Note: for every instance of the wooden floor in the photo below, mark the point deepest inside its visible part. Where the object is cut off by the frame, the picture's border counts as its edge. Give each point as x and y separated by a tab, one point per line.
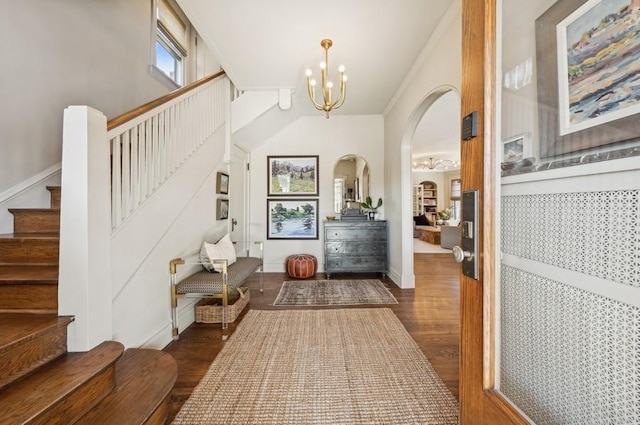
430	313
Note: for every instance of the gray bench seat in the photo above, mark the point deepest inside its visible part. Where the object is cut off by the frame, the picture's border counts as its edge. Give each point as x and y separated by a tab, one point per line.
205	284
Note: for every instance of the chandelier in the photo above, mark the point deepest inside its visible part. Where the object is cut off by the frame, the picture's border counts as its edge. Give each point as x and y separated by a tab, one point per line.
327	104
435	164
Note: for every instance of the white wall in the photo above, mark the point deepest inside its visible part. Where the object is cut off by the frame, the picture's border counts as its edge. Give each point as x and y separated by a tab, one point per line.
68	52
330	139
439	65
173	222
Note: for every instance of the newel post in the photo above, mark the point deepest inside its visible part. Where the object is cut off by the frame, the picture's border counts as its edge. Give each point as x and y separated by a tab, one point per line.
84	289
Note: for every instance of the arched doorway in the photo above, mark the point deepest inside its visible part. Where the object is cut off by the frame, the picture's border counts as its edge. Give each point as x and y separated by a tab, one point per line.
432	129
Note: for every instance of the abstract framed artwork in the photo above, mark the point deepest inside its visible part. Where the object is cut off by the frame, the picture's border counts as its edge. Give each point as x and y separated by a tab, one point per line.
588	59
516	148
222	209
292	219
292	175
222	183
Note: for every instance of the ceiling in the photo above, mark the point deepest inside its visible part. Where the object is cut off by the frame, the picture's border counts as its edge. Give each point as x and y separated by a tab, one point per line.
269	44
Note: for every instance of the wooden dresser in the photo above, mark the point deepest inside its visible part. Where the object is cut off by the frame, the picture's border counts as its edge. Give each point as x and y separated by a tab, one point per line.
355	246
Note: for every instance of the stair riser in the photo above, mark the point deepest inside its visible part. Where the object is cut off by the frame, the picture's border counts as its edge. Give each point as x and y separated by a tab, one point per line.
25	251
143	396
160	415
55	196
29	297
27	357
32	222
77	403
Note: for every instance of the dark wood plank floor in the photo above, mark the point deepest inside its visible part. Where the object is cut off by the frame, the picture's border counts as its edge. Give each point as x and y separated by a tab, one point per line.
430	313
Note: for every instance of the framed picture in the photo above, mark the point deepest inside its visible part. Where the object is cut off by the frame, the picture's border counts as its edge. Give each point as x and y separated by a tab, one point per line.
456	189
292	219
292	175
587	54
222	183
517	148
222	209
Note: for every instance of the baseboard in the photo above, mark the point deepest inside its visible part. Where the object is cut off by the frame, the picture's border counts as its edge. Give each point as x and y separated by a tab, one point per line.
395	277
164	336
160	340
29	183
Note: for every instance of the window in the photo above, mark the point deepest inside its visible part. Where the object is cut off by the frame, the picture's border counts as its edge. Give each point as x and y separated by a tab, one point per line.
338	194
171	40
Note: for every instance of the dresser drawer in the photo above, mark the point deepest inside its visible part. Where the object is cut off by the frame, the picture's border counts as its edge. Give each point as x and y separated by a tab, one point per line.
355	263
356	248
342	234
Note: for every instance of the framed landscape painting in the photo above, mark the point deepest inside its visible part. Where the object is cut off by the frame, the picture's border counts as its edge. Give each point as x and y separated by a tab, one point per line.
588	60
292	175
292	219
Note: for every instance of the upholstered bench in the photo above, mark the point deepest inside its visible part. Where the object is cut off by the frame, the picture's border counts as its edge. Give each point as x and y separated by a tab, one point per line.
207	284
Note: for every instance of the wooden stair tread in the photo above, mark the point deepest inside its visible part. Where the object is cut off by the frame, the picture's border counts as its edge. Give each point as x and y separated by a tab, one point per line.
16	328
28	274
144	380
52	211
28	341
29	236
64	389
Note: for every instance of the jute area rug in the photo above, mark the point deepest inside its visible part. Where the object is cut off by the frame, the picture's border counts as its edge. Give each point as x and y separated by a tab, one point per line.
339	366
333	292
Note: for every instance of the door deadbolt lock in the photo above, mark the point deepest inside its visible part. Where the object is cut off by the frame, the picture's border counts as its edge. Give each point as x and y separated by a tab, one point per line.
466	252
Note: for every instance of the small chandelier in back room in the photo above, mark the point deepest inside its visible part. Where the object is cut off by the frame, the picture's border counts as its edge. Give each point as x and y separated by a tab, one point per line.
327	86
435	164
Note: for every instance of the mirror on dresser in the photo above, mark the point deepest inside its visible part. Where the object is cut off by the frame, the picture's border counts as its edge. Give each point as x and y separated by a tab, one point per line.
350	182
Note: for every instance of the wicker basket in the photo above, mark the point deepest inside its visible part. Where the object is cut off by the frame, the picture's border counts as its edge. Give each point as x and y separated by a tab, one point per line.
210	310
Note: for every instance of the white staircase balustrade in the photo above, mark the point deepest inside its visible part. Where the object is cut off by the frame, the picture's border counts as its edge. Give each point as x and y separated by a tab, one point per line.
109	173
148	149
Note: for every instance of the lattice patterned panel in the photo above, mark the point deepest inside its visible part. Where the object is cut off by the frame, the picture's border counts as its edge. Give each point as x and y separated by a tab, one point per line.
568	356
596	233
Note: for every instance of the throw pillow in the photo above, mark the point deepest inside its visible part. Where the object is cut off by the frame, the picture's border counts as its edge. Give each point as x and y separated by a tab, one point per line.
421	220
221	250
204	259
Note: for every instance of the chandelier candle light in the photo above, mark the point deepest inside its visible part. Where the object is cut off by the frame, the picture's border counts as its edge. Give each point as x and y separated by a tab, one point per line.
433	164
327	85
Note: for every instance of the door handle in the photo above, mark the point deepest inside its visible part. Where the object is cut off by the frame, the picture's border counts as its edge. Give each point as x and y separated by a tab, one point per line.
233	224
459	255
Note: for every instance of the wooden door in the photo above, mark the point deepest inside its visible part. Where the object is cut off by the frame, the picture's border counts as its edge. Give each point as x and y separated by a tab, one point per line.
479	402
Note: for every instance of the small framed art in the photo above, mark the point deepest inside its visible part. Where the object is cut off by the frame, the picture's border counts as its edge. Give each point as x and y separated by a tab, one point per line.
517	148
222	183
222	209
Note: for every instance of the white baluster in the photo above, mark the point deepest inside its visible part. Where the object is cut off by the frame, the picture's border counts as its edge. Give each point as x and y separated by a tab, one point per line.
116	189
126	174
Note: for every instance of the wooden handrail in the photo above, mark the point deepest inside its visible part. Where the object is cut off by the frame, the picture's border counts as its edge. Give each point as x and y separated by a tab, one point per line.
128	116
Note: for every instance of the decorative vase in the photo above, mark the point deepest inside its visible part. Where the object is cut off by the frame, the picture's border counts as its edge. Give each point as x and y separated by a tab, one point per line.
372	215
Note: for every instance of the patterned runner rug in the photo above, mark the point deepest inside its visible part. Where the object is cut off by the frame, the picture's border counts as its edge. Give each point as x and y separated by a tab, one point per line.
337	366
333	292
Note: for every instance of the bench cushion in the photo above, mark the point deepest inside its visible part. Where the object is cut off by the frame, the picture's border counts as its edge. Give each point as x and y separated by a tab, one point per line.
205	282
